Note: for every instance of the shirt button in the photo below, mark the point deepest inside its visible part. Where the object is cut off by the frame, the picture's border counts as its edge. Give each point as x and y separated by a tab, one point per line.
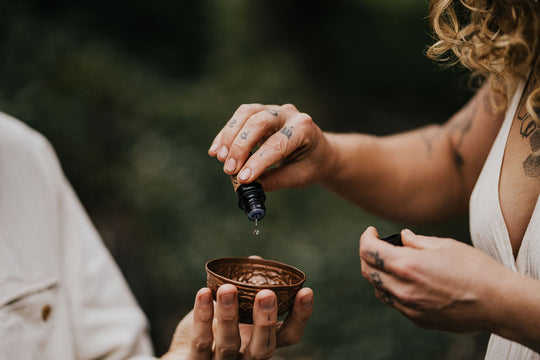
46	312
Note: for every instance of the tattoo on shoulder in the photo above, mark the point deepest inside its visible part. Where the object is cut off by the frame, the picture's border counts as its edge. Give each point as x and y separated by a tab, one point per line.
287	131
378	261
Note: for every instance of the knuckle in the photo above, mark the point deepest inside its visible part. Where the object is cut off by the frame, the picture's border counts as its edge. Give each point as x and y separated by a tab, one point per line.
267	325
204	317
227	319
303	318
260	120
289	107
304	119
402	268
276	145
244	107
265	355
236	148
201	345
228	351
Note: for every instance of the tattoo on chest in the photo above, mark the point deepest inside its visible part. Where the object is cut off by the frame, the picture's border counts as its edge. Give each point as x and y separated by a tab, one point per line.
529	129
531	165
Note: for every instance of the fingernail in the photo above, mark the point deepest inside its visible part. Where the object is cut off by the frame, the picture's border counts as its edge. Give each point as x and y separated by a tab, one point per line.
213	147
227	299
244	174
223	152
267	304
408	232
230	165
206	299
307	300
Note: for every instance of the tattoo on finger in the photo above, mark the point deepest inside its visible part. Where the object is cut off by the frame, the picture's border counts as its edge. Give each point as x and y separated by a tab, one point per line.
378	261
232	122
287	131
387	298
244	135
376	278
273	112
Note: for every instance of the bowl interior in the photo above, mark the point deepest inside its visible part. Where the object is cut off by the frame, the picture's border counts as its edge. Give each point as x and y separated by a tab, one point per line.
255	272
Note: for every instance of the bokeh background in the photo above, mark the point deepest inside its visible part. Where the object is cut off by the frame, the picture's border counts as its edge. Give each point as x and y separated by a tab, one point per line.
131	93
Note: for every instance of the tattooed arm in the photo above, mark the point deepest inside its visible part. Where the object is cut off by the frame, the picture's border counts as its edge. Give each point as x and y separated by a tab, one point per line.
420	175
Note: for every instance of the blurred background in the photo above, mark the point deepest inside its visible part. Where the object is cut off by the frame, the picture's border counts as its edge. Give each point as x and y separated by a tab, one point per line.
131	94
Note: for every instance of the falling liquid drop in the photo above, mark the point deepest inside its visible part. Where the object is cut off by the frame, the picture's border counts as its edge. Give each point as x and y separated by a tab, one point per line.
256	230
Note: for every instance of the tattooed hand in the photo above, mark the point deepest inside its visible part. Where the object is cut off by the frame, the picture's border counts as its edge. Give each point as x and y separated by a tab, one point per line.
437	283
287	138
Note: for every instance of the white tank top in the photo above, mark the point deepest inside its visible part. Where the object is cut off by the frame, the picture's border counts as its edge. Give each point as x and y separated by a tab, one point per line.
489	233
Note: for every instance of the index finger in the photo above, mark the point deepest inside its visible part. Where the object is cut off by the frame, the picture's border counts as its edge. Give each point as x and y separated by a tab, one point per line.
376	252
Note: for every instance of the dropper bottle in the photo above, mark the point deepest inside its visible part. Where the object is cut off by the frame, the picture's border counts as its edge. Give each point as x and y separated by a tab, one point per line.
251	199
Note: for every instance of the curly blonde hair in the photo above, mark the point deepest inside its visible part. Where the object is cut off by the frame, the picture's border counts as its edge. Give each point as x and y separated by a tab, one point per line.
498	40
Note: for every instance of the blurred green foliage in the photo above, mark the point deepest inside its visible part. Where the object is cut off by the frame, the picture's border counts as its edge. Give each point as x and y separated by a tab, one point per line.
131	93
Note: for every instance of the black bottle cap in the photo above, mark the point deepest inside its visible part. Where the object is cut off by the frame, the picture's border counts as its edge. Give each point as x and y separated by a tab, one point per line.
251	199
394	239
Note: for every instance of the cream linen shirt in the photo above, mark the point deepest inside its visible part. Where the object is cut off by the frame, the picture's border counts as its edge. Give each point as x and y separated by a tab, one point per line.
62	296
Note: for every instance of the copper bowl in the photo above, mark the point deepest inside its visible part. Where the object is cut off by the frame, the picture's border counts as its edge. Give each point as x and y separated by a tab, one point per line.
251	276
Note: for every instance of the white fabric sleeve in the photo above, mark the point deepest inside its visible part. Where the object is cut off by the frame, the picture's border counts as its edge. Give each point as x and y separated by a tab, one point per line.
106	319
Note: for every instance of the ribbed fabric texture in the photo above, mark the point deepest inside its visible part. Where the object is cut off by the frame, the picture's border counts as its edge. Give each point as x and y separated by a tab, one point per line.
489	233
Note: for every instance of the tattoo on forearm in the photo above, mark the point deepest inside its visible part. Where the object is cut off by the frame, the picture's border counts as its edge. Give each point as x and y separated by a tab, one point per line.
378	261
287	131
273	112
376	277
244	135
232	122
387	298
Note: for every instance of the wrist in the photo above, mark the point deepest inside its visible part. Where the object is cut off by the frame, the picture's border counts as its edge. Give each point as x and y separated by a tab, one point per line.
331	158
519	310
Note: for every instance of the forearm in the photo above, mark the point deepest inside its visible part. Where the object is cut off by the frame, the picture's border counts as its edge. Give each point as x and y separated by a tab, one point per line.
409	177
518	312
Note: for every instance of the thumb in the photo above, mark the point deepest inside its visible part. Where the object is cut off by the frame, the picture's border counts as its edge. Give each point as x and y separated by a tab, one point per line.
410	239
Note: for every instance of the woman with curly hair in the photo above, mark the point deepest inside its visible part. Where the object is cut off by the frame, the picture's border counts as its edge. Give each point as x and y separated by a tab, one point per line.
485	160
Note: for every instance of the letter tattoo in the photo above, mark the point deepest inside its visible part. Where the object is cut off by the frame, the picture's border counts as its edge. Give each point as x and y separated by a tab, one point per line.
232	122
244	135
378	261
273	112
287	131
